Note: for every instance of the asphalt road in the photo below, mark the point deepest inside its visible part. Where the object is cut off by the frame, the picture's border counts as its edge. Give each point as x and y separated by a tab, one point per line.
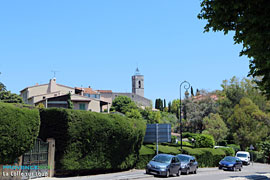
256	172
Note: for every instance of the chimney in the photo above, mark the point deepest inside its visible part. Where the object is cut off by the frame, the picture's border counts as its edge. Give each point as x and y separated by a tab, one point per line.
52	85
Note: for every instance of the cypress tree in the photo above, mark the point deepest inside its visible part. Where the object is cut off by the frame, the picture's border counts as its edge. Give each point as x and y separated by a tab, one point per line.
191	91
170	107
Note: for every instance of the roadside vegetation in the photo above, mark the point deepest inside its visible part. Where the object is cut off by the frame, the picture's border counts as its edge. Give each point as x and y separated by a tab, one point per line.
86	142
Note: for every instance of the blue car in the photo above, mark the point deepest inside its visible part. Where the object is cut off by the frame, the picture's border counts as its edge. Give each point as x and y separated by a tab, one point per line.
164	165
230	163
188	164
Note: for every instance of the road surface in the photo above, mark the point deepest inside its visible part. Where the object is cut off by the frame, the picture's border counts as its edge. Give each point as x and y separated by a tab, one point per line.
256	172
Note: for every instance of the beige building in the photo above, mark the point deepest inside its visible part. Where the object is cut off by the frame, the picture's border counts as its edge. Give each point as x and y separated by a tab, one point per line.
36	93
56	95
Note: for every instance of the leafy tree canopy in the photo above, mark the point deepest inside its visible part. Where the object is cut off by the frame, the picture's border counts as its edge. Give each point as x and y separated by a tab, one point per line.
250	21
7	96
234	90
215	126
123	104
248	123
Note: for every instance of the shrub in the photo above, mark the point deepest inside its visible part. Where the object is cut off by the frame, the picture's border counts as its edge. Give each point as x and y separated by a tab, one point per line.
228	151
204	141
18	130
235	147
146	154
206	157
257	156
185	144
89	142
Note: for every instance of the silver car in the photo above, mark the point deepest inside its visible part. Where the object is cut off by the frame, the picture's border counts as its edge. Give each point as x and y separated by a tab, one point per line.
188	164
164	165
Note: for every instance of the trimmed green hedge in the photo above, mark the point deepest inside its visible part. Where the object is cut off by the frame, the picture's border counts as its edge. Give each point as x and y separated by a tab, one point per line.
88	142
18	130
146	154
228	151
206	157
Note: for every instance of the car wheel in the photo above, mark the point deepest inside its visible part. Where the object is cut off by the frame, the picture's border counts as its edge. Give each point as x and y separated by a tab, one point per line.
167	173
195	171
187	172
240	169
179	172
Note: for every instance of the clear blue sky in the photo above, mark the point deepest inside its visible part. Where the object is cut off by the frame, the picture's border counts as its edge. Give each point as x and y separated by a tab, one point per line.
99	43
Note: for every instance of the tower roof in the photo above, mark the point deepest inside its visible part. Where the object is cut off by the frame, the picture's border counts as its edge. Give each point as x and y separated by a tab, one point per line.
137	72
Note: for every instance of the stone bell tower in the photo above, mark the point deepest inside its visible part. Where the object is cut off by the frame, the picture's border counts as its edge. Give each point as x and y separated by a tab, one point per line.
138	83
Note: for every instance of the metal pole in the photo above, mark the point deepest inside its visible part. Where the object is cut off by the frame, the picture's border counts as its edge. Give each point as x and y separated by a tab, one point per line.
157	137
187	86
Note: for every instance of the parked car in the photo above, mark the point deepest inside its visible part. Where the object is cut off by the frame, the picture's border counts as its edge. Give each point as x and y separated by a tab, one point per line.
230	163
188	163
244	157
164	165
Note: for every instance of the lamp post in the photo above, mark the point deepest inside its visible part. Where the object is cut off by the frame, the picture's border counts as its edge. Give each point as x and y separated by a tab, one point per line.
186	87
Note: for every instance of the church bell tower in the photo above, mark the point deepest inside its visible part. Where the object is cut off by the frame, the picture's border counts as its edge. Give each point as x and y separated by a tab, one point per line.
138	83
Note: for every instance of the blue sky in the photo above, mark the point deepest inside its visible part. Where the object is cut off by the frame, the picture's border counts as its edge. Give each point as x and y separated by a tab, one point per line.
100	43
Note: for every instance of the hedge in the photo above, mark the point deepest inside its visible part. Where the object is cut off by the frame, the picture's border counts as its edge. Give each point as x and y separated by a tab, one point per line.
87	142
146	155
206	157
18	130
228	151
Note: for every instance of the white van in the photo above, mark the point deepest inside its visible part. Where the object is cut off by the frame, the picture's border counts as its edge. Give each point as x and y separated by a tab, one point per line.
243	156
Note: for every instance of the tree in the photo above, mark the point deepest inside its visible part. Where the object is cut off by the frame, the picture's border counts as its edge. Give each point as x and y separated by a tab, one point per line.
175	107
191	91
2	87
215	126
234	90
195	110
164	104
266	150
70	104
134	113
248	123
198	92
159	104
169	107
151	117
251	23
8	97
123	104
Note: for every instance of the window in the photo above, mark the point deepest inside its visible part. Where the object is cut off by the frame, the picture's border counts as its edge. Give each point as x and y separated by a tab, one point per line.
82	106
139	84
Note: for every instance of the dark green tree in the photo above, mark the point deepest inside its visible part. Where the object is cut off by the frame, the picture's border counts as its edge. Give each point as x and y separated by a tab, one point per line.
215	126
7	96
169	107
197	92
164	104
191	91
70	104
2	87
159	104
250	22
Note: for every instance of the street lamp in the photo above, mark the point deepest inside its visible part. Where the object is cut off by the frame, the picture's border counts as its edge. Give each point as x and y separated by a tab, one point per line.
186	87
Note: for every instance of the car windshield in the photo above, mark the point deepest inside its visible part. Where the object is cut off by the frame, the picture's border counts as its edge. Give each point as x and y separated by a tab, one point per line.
229	159
183	158
162	159
241	155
